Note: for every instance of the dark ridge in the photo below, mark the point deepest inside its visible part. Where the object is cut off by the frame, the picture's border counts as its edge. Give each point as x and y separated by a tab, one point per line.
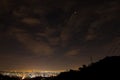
106	68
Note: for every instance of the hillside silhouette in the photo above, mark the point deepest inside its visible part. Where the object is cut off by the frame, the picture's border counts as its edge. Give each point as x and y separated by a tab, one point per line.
107	68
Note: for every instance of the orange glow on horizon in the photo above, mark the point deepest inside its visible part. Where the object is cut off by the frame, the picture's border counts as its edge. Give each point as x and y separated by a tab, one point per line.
35	70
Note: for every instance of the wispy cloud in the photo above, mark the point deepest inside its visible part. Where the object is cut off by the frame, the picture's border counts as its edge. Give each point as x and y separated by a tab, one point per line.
30	21
73	52
35	47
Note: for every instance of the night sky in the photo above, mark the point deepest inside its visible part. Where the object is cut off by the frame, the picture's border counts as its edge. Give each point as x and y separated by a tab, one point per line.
57	34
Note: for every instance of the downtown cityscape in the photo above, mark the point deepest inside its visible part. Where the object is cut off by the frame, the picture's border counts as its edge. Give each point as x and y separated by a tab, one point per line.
32	74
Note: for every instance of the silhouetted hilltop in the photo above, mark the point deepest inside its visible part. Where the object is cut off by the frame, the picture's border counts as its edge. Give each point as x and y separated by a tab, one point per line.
106	68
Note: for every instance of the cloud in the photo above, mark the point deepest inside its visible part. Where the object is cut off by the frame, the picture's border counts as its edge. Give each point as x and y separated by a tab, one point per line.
113	48
40	47
90	37
72	52
54	41
31	21
78	25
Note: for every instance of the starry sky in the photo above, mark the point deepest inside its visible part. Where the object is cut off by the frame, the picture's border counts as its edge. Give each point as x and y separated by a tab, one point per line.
57	34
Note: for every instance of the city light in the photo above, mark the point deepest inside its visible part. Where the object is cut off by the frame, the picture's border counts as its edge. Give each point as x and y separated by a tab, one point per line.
32	74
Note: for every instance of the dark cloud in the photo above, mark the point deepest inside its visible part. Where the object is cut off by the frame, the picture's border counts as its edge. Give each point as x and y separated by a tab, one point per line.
31	21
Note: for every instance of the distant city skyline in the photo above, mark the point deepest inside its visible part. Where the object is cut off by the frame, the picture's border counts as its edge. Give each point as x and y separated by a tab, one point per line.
24	75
